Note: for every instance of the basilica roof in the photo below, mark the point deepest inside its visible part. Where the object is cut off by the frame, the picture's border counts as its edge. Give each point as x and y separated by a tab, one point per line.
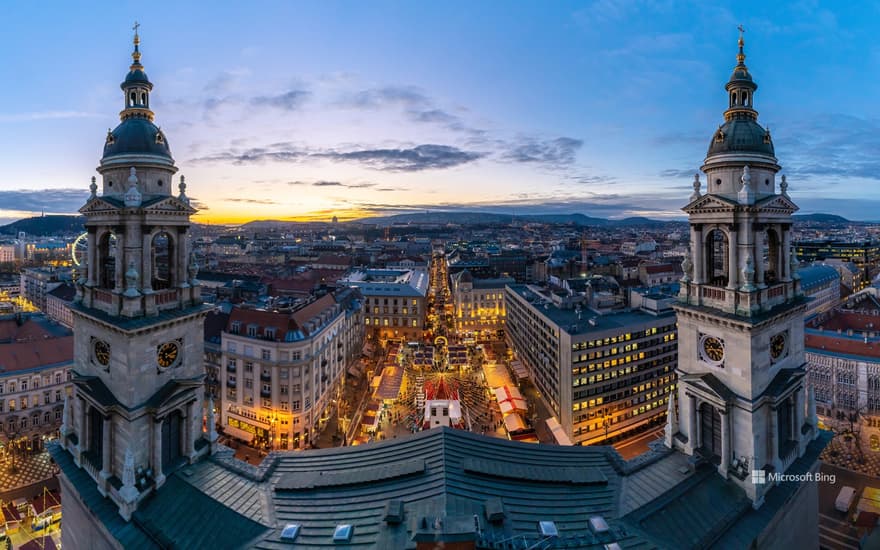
741	135
136	136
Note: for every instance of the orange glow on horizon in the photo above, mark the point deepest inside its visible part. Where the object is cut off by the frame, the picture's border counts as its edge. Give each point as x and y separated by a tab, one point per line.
215	217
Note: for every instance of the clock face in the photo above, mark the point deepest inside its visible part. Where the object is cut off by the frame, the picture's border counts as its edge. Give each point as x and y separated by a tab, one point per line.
778	346
167	354
101	350
712	349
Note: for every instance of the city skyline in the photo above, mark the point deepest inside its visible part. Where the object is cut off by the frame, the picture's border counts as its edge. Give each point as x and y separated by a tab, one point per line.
307	112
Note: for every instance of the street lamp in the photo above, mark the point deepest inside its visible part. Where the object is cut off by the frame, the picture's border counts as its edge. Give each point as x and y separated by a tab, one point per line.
606	423
272	430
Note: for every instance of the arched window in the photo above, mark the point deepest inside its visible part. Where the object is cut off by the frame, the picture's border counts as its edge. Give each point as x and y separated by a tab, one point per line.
163	261
733	99
106	261
716	258
143	98
132	97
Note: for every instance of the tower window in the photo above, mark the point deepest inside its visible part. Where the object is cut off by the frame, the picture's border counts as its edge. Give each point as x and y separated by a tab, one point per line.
132	98
767	182
718	181
733	99
109	184
143	98
160	183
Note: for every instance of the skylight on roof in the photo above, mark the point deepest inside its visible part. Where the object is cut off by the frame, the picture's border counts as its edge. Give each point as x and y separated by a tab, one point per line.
343	533
548	529
290	532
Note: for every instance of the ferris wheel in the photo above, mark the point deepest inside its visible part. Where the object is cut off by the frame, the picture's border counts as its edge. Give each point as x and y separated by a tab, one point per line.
79	250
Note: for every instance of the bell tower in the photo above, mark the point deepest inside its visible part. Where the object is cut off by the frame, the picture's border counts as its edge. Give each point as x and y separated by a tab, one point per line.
136	410
741	392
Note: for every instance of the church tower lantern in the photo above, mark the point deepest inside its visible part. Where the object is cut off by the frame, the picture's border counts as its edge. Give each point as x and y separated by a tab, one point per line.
741	392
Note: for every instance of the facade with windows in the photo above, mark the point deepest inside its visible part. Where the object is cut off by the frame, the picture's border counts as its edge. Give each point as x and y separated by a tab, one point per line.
843	367
603	376
394	301
36	360
284	372
821	283
479	303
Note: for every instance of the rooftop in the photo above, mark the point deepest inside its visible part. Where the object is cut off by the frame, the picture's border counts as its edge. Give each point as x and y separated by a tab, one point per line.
440	483
584	321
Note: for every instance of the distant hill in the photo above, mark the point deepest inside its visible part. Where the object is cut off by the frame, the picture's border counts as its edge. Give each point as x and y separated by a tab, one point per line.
823	218
45	225
473	218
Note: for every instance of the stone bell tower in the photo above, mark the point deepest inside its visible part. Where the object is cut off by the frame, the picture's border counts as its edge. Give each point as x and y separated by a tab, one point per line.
741	391
136	409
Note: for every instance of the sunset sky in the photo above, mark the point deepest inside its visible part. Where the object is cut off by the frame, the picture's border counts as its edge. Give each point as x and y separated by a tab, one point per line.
310	109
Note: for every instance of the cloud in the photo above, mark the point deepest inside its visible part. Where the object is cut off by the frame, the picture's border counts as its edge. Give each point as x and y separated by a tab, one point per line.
831	147
374	98
678	173
287	101
59	201
414	159
249	201
327	184
593	180
555	152
45	115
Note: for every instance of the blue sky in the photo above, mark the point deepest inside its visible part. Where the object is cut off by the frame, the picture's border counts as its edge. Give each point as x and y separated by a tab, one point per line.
295	109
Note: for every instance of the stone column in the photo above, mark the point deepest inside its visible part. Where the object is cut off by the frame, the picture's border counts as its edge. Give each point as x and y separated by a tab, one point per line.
193	428
784	254
733	266
119	264
698	435
92	259
158	475
105	447
147	261
697	246
725	443
759	265
773	440
181	262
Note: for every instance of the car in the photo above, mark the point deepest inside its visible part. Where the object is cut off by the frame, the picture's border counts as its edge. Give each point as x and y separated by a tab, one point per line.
845	498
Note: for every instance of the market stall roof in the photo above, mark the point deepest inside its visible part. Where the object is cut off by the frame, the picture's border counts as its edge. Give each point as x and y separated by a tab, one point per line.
514	422
389	386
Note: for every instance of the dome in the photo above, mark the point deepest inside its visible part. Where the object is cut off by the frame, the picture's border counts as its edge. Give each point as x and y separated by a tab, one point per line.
741	135
136	136
136	76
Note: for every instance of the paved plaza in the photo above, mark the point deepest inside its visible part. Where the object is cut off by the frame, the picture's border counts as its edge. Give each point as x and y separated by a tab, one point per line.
844	453
30	469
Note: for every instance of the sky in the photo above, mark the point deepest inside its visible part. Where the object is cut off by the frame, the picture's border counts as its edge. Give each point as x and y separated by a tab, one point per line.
305	110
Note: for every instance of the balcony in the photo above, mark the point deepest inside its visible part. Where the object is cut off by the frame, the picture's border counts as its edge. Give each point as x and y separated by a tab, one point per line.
230	383
231	368
265	393
737	301
266	376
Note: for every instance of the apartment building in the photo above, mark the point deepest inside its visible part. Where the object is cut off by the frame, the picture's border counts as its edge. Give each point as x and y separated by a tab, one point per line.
284	371
604	376
36	357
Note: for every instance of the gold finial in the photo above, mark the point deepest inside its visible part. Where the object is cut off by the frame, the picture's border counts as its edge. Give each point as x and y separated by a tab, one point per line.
741	56
136	54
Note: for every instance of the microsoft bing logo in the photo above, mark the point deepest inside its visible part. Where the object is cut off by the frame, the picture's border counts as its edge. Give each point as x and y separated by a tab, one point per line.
759	477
